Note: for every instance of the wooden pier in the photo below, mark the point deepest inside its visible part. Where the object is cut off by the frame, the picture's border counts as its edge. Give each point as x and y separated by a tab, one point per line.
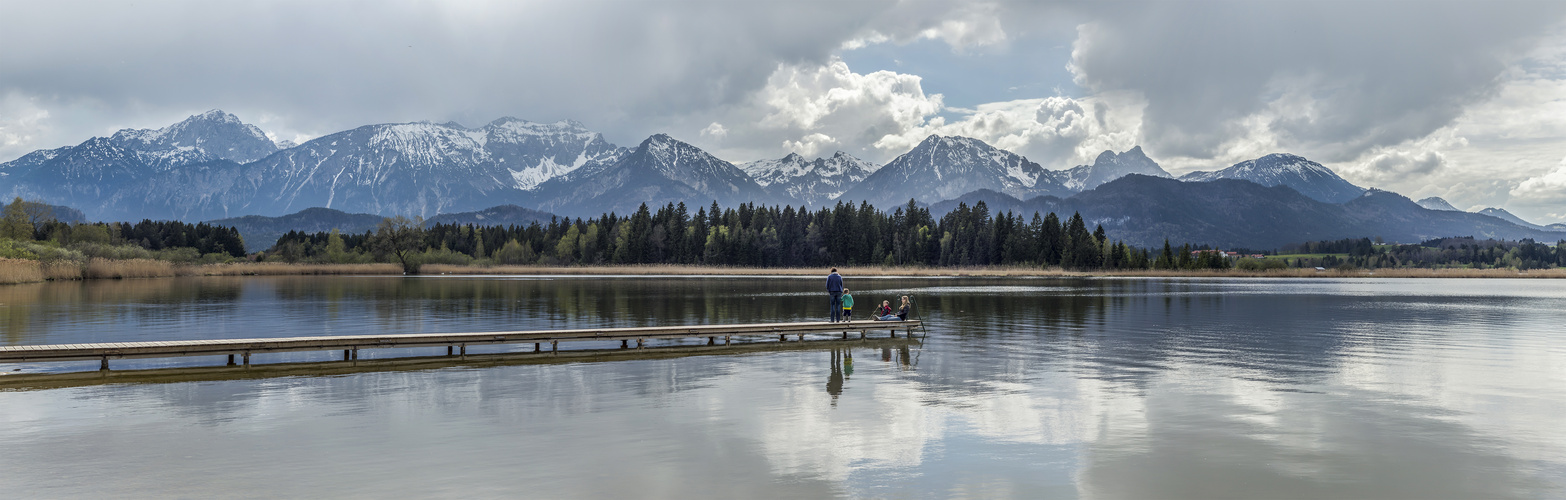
456	344
24	381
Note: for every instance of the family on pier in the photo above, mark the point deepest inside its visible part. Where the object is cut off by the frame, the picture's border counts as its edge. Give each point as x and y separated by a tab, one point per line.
841	304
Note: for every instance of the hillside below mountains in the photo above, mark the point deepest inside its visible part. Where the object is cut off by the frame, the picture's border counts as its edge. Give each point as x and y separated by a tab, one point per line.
1144	210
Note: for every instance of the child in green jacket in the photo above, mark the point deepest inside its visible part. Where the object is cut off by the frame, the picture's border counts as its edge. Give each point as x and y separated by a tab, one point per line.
848	304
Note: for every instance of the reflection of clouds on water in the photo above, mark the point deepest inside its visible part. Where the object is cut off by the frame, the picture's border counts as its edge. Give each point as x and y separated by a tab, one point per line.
1147	388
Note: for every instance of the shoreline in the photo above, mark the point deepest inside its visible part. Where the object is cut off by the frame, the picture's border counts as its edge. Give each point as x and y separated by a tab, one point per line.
15	271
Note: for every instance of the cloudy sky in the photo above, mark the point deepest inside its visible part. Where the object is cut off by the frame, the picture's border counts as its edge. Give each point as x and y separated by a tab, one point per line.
1464	100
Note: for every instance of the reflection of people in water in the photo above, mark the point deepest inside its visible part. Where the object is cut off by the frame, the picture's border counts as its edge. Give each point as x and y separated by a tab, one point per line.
886	354
835	380
848	364
904	357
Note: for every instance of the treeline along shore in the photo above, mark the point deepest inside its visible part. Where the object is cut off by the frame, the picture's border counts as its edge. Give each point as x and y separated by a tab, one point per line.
747	239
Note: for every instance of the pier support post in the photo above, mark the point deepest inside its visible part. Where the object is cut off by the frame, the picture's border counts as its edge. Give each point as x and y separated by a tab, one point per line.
104	364
862	334
448	350
345	355
246	357
845	335
625	344
712	341
538	347
462	349
231	360
725	340
641	343
801	337
554	347
782	337
355	354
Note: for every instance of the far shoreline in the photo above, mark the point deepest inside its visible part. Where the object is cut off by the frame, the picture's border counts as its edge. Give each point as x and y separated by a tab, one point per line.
14	271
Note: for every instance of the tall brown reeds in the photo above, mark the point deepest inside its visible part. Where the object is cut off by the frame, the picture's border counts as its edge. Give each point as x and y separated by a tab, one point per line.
128	268
62	270
14	271
280	269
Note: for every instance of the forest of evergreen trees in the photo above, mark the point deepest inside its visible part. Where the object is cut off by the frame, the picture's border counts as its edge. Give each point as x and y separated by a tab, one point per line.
752	235
29	231
1442	252
761	236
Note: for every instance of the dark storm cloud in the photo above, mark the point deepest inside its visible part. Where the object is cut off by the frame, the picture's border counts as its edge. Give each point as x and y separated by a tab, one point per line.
330	65
1336	78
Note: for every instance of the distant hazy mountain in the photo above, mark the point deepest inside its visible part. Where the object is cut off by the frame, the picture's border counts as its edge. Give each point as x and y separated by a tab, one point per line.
659	171
1501	213
66	214
1309	178
942	168
1110	166
261	232
812	183
1437	203
1145	210
504	215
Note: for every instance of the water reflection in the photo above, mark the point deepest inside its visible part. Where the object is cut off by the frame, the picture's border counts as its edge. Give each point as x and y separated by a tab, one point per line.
1025	388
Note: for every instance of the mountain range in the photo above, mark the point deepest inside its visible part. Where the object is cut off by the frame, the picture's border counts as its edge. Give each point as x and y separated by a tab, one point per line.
213	166
814	183
1304	176
1144	211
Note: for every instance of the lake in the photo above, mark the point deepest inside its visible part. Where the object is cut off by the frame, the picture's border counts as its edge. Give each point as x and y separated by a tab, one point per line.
1027	388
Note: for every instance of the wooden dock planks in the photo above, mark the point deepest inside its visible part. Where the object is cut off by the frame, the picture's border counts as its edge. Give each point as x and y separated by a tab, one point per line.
156	349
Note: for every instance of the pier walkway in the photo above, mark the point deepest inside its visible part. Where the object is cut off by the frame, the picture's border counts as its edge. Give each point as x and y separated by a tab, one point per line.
455	343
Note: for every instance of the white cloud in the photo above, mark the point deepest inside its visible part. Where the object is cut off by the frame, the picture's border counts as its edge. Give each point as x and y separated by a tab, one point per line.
22	122
1546	191
882	114
715	130
810	145
1057	132
976	25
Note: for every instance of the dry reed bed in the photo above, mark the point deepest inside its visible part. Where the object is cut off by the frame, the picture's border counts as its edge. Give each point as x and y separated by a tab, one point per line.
282	269
14	271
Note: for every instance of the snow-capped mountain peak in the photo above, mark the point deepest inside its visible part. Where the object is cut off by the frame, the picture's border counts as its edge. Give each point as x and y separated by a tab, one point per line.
944	168
1110	166
811	182
1437	203
214	134
1309	178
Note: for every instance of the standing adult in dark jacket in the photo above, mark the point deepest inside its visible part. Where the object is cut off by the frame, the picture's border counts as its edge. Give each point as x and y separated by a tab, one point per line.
835	290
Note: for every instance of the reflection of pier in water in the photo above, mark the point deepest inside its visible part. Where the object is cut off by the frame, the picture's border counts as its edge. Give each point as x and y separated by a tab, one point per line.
791	336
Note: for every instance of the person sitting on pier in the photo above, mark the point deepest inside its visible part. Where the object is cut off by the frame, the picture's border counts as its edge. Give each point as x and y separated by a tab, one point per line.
884	313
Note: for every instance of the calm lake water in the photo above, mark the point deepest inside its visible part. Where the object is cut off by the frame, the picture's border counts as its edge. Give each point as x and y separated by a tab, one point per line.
1104	388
